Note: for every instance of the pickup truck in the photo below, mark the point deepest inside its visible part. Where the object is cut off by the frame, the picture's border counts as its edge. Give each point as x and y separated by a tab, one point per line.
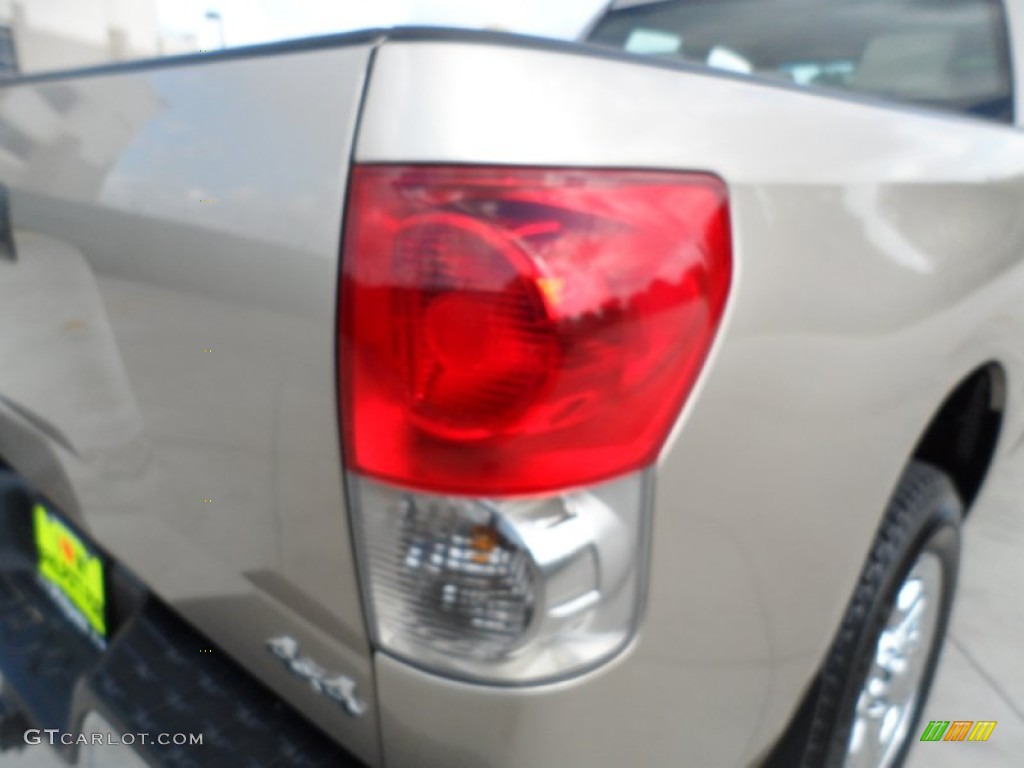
424	397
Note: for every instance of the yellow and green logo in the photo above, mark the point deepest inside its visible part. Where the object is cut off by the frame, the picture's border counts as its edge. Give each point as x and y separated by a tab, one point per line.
958	730
66	562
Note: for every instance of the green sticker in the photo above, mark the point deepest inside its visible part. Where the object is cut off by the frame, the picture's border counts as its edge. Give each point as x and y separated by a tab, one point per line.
66	562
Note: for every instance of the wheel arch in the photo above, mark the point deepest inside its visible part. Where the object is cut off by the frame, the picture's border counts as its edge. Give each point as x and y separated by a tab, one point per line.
962	435
960	438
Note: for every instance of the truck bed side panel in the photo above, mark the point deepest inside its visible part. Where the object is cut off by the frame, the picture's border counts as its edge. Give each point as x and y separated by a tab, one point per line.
171	316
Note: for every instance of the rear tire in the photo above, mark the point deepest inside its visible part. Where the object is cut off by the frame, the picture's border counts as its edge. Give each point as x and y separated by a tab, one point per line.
880	667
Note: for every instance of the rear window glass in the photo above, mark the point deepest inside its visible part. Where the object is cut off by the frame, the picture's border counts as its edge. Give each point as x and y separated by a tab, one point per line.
948	54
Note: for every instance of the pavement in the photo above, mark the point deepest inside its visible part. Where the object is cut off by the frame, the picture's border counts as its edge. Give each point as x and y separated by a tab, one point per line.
981	674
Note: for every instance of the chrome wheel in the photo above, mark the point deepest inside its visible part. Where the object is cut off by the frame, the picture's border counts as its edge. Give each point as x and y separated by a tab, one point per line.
888	700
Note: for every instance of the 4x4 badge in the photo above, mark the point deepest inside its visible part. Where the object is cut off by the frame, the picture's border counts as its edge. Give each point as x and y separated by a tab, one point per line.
339	688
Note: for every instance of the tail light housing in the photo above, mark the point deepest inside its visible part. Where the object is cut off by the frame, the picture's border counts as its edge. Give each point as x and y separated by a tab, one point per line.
515	345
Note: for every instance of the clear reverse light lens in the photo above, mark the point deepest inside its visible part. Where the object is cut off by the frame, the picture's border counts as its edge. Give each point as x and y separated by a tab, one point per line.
519	590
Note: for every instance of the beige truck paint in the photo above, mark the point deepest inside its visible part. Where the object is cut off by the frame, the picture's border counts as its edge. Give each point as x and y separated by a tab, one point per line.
174	298
878	261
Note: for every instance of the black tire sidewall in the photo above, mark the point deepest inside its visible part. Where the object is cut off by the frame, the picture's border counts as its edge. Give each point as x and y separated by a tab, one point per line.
930	523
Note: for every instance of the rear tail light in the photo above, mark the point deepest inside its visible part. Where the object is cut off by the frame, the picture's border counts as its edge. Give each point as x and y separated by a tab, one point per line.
515	346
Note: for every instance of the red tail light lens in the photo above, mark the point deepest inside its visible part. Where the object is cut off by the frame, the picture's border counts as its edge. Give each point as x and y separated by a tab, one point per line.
510	331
